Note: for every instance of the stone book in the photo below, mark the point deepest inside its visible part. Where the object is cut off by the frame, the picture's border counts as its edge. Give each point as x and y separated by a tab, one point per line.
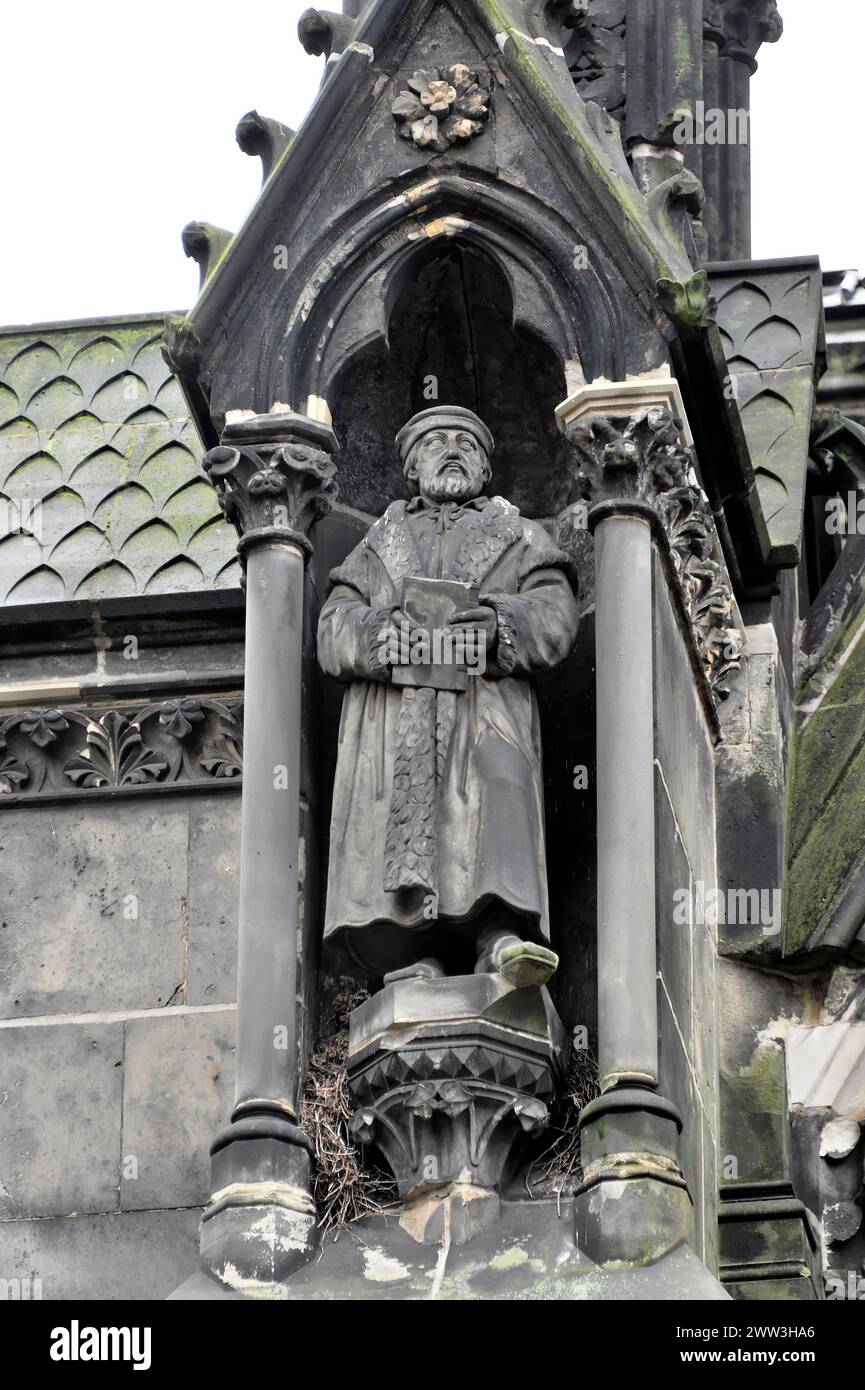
431	604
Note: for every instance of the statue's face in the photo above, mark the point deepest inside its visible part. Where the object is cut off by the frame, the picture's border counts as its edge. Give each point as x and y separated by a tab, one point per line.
450	466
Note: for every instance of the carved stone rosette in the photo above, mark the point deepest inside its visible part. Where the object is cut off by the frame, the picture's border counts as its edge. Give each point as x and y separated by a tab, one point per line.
641	459
272	478
442	107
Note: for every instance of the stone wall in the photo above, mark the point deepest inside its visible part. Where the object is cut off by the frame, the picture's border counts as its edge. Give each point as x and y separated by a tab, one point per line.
685	856
117	1020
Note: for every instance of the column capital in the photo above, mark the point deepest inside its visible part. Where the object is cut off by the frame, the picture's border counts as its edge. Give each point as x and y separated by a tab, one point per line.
741	27
274	477
635	459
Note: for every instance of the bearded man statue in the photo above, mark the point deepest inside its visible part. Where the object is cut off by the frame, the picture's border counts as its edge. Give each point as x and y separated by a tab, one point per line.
437	621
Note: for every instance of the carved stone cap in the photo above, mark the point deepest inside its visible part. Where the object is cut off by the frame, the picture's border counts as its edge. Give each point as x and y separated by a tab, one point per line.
624	398
279	427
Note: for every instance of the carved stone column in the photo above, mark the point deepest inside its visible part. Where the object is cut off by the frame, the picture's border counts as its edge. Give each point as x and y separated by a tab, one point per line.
274	476
640	493
733	32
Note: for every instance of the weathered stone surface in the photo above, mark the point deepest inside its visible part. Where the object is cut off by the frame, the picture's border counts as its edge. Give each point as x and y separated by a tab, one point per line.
839	1138
178	1080
94	920
214	866
125	1255
529	1254
827	1068
60	1090
828	786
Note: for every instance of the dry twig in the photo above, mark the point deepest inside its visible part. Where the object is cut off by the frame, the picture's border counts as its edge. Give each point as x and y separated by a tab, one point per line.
345	1188
559	1165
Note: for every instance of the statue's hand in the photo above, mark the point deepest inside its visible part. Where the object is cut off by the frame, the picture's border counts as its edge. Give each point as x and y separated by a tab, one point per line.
483	620
383	645
390	643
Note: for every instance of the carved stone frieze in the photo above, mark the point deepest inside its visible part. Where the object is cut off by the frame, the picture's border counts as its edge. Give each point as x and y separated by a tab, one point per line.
441	107
60	751
641	458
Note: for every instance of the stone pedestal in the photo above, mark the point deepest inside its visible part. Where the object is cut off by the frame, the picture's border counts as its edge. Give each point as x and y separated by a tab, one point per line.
449	1078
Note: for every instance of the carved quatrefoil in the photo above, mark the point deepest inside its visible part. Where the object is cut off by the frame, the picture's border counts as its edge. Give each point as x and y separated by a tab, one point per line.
442	107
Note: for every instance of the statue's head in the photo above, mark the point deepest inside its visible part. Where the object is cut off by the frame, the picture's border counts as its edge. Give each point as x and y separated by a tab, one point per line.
445	453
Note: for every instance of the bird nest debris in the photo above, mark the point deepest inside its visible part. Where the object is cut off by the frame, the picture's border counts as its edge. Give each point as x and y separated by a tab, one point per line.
345	1186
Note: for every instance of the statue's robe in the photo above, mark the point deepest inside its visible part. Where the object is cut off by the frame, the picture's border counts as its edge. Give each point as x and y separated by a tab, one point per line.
438	797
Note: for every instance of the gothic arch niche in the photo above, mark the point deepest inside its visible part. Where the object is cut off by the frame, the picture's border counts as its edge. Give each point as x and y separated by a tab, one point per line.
451	338
448	315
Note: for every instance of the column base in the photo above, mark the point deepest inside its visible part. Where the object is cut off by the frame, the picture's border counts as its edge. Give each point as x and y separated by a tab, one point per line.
633	1206
529	1255
260	1225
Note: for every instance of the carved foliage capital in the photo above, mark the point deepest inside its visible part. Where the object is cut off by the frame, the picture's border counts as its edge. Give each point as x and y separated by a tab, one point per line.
272	487
640	459
741	27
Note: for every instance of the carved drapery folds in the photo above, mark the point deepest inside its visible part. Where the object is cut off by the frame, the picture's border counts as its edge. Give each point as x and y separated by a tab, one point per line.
443	106
641	459
61	752
272	488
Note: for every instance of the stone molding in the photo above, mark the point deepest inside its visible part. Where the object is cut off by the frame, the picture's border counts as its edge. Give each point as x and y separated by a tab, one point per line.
57	752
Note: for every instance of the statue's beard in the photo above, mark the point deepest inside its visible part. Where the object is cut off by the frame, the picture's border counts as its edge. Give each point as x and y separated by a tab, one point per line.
452	487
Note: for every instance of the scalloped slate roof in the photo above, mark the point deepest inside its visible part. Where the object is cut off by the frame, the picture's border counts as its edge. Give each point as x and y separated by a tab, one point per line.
101	492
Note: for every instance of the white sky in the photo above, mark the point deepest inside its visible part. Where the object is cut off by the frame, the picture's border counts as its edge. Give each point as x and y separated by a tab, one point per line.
118	128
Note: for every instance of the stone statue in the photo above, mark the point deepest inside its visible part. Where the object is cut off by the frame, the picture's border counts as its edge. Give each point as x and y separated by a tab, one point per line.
438	620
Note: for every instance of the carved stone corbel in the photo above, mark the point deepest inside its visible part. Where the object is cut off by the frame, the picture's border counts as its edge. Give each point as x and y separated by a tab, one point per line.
448	1079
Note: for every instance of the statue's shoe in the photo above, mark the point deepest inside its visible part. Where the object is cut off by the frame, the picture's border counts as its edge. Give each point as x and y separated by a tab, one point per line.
428	968
525	963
